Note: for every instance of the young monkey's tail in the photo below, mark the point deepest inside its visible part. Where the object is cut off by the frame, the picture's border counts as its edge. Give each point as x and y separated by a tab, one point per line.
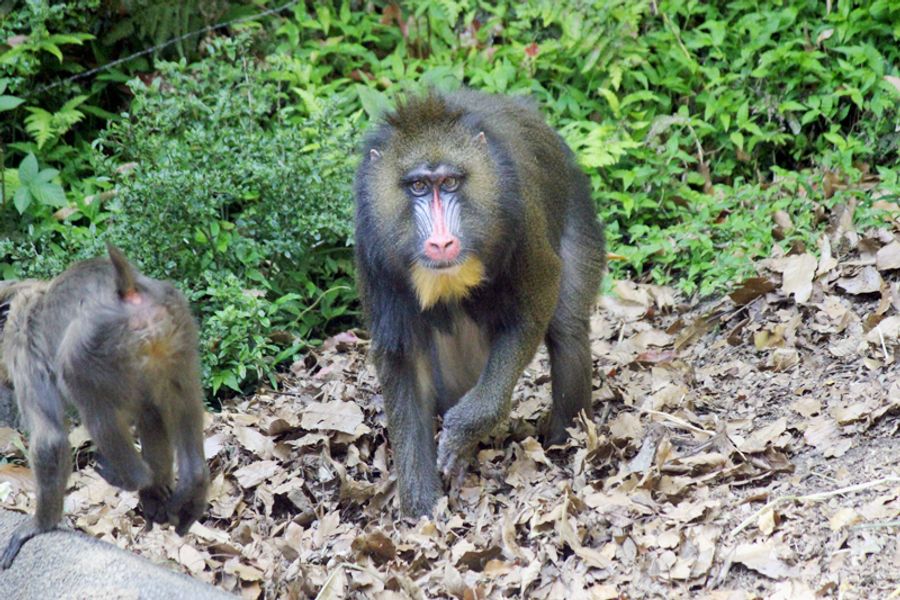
126	275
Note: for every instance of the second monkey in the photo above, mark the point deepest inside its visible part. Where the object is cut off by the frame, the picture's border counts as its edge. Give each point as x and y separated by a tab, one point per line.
122	348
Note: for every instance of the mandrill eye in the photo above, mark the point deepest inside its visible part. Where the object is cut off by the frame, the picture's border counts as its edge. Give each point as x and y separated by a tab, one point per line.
450	184
418	187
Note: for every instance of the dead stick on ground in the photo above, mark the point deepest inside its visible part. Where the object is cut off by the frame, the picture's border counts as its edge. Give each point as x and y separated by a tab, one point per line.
678	421
880	525
887	356
812	498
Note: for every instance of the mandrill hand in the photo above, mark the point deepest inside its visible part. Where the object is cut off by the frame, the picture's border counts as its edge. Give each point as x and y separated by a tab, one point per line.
188	503
127	481
456	443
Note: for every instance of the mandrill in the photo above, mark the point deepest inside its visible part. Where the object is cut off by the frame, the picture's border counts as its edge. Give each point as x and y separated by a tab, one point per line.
476	238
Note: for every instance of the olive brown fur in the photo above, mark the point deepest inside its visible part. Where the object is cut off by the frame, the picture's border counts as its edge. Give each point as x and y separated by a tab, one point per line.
476	239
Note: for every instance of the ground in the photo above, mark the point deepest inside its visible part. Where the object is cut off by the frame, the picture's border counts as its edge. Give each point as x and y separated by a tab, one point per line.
742	447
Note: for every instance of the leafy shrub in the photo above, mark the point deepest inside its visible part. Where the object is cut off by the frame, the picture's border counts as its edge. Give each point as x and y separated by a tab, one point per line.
695	120
49	195
31	52
52	118
248	208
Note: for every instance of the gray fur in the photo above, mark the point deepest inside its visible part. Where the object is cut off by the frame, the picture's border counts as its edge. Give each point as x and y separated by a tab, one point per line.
122	349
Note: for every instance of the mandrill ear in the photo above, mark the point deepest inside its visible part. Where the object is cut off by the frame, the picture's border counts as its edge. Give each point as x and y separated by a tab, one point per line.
481	138
374	154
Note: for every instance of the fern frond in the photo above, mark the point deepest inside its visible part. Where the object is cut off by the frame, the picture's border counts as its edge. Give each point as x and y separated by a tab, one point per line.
68	115
39	124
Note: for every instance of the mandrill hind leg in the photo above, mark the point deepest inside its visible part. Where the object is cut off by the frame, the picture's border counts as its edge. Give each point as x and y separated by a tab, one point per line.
570	367
568	337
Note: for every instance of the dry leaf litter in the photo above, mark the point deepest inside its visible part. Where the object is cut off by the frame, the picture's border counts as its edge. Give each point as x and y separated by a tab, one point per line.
741	448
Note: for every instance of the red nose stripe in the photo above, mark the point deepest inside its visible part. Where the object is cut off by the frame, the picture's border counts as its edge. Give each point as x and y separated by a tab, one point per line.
437	214
441	245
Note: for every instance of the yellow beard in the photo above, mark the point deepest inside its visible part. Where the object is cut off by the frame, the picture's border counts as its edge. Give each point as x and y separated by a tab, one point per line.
432	286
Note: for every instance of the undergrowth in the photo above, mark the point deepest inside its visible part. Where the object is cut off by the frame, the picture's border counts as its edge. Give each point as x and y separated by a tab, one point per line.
224	161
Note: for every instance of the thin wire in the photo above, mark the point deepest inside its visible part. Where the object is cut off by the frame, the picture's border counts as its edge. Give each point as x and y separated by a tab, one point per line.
166	44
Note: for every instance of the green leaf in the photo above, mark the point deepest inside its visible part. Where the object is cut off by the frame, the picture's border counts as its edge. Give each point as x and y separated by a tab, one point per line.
231	381
99	112
835	139
324	14
790	105
10	179
70	38
22	199
72	104
611	98
309	100
52	49
375	103
28	169
9	102
49	194
46	175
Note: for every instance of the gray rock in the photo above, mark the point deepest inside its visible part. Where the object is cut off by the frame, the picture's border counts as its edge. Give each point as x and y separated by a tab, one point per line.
72	566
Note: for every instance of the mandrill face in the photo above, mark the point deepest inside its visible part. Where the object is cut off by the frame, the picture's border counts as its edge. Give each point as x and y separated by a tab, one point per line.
438	193
434	193
446	263
440	211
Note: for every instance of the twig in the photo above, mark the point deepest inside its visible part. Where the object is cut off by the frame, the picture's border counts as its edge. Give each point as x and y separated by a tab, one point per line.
887	357
859	487
678	421
824	476
700	155
812	498
363	569
2	179
881	525
291	394
323	591
677	37
319	299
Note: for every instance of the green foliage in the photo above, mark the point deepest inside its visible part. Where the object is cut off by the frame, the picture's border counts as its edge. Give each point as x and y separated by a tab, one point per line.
40	45
37	186
45	126
672	107
8	102
156	22
248	207
46	116
696	122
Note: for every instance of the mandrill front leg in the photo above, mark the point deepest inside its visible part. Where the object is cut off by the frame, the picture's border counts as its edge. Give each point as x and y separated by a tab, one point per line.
488	403
410	416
